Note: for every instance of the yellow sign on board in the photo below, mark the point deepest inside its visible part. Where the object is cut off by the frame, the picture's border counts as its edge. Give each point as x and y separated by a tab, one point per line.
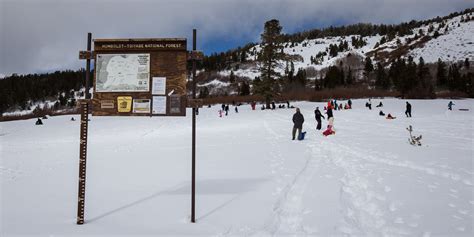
124	104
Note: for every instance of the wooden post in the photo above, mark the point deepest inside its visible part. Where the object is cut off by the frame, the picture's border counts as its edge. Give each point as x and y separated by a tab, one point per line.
193	172
83	141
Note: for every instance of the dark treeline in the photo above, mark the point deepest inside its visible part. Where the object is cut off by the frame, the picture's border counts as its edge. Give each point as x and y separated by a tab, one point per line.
410	79
21	91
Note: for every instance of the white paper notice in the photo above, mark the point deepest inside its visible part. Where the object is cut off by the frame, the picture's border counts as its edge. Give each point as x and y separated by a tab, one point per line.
159	86
159	104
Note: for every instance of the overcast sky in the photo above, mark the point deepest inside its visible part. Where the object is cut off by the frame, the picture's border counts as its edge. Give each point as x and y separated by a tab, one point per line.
45	35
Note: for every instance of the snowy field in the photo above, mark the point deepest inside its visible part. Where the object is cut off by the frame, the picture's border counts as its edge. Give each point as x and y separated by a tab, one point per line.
252	179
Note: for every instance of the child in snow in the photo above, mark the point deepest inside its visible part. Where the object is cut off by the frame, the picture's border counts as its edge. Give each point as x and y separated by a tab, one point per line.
379	105
450	105
330	129
381	113
389	116
39	122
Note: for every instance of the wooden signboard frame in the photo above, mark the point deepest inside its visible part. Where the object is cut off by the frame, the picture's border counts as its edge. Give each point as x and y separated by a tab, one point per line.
167	58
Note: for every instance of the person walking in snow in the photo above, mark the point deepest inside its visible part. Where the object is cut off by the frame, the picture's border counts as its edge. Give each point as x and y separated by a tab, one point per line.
236	109
349	102
450	105
318	115
298	121
408	110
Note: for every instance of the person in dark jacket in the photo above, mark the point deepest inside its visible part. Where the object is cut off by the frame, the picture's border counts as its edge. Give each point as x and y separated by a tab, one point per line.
273	105
288	104
408	111
298	121
39	122
381	113
349	102
379	105
226	109
318	115
450	105
329	113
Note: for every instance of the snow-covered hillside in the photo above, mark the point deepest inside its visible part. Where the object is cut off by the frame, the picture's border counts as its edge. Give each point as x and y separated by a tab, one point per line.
252	179
454	43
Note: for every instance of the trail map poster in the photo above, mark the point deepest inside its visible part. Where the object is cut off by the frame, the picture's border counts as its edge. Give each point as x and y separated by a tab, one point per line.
122	72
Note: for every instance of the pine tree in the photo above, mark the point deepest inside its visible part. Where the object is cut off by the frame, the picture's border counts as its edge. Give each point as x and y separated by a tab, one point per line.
369	67
349	77
441	78
381	80
243	56
271	53
232	77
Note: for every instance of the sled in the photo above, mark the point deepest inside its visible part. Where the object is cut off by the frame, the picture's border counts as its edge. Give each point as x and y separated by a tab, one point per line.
301	136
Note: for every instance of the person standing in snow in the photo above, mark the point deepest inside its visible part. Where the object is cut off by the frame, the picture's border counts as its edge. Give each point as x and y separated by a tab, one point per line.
329	113
408	110
226	109
349	102
318	115
236	109
288	104
298	121
450	105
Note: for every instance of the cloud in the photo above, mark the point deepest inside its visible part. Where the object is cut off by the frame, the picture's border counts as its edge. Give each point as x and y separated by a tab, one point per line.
45	35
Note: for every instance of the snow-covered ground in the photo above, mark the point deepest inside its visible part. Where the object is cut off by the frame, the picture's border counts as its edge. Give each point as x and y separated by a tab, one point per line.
252	179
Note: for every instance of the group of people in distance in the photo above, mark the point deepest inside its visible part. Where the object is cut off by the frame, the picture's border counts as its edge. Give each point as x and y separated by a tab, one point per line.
390	116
